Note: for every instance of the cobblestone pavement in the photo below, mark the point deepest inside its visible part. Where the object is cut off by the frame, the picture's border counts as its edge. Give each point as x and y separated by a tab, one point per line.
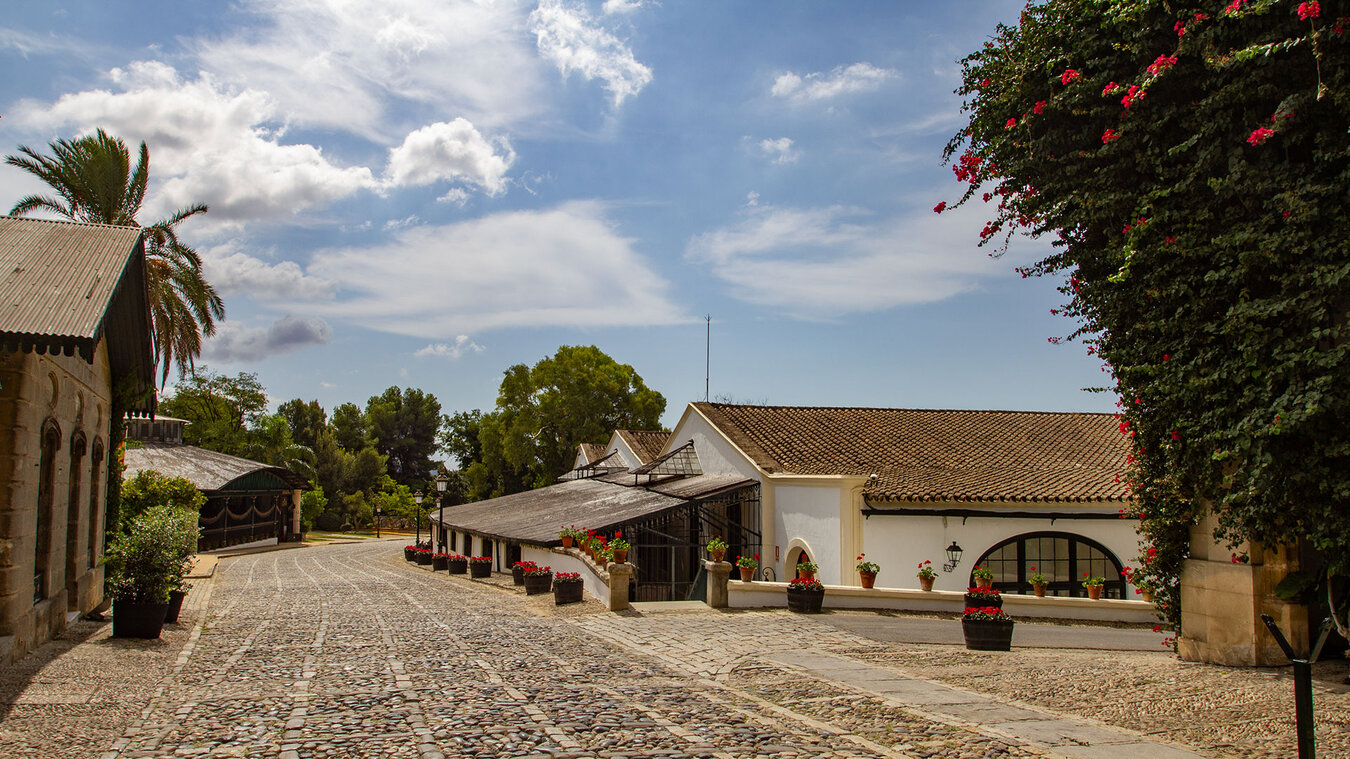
348	651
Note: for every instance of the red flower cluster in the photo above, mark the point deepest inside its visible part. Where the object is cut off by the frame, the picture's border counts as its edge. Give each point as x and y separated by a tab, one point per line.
1068	76
1110	88
967	167
1233	7
1163	63
985	613
1109	135
940	207
565	577
805	585
1259	136
1134	93
1040	106
1309	10
1011	123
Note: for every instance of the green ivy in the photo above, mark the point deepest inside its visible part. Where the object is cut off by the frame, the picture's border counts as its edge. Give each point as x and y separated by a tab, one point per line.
1190	163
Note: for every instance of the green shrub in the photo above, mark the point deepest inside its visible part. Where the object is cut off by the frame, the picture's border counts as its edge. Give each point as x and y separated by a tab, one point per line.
153	555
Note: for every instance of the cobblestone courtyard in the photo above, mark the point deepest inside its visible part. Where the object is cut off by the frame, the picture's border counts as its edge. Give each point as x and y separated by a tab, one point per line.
348	651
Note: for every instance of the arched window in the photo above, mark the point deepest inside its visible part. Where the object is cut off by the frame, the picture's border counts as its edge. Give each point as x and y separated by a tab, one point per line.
96	517
1061	556
42	532
73	504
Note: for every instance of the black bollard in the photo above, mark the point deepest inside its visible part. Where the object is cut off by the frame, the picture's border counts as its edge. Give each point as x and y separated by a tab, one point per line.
1303	701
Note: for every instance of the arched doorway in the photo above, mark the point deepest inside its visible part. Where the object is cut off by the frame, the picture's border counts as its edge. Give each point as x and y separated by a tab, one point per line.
795	555
1063	557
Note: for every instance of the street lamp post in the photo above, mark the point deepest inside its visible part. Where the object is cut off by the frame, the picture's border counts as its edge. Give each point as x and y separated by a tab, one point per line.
441	483
377	521
418	517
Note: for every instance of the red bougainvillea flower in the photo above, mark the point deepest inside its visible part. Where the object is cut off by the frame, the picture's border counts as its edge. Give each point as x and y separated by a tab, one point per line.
1110	88
940	207
1109	135
1176	435
1233	7
1135	93
984	83
1180	28
1259	136
1169	240
1040	106
1309	10
1167	357
1068	76
1163	63
1011	123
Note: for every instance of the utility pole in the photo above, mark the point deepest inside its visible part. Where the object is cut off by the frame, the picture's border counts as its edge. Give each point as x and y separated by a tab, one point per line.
707	356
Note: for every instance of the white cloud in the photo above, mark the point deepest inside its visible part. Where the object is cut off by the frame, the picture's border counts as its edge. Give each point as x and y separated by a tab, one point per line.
567	36
234	272
352	65
859	77
208	145
624	6
780	150
565	266
235	342
459	347
453	151
826	262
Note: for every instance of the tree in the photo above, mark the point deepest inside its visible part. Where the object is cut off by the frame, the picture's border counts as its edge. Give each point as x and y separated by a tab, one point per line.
269	441
1190	166
543	412
95	183
306	420
403	424
349	427
149	488
221	410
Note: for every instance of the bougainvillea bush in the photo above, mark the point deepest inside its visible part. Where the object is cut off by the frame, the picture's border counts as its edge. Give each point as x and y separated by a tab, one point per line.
1189	163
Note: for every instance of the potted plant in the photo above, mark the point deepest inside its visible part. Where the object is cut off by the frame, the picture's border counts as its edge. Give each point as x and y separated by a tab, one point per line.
457	564
1142	585
717	548
987	628
147	562
538	580
567	587
439	561
423	557
867	570
984	576
747	566
619	547
806	570
410	553
568	536
926	575
983	597
805	596
518	571
1093	585
1037	581
480	567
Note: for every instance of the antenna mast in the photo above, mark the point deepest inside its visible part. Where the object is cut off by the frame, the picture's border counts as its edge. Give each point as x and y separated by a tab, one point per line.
707	356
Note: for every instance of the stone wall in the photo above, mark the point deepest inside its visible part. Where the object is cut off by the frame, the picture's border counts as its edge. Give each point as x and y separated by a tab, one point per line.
1222	602
70	399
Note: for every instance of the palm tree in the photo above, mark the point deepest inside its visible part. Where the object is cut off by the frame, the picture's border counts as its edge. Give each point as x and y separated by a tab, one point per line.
96	183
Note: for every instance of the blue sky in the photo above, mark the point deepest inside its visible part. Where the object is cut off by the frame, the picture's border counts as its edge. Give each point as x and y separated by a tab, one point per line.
425	192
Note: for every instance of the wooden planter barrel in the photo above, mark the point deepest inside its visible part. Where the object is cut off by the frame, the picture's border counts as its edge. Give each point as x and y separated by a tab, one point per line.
566	593
538	584
409	554
439	563
980	602
132	620
805	601
457	566
423	558
480	569
987	635
517	576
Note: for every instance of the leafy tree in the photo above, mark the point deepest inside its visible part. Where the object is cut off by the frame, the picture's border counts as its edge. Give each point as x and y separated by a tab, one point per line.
149	488
96	183
269	441
404	424
349	427
579	394
312	504
220	409
1190	165
306	420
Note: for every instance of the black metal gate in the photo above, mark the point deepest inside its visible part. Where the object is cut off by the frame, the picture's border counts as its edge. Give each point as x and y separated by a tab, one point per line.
667	550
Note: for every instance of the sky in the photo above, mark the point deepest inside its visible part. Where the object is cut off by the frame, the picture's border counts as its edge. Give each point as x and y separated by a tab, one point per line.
422	193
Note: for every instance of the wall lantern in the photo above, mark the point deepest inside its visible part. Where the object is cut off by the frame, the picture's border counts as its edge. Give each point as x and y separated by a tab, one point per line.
953	557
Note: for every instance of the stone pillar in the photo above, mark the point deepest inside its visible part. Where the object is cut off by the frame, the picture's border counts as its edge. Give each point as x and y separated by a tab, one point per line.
719	573
295	514
619	577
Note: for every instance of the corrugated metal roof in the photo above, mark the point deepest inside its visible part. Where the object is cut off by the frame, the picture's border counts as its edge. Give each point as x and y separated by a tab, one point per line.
58	277
535	516
65	285
208	470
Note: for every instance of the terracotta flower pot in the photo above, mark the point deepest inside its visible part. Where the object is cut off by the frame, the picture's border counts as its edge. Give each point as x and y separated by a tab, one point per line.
868	579
984	582
717	554
567	541
747	573
1147	594
620	555
926	583
1040	590
1094	592
806	574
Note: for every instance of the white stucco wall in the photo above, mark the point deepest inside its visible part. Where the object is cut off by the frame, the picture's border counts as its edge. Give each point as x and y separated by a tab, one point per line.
715	454
810	514
569	561
899	543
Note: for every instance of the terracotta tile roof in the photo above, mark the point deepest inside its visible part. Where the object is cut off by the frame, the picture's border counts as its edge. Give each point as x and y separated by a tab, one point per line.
646	444
936	455
593	452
